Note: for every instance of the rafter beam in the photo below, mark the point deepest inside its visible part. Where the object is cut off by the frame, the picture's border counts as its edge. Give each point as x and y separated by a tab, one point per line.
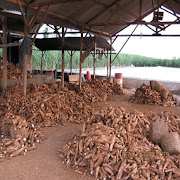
41	23
22	12
135	22
9	14
33	19
75	23
146	14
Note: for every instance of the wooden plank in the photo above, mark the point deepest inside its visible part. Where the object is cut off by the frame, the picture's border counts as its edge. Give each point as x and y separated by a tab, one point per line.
10	45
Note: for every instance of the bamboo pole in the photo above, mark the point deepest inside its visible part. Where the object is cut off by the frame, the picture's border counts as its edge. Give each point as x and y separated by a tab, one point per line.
62	72
4	53
80	62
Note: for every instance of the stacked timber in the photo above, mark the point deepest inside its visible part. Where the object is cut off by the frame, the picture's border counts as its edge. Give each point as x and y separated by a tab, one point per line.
150	95
114	145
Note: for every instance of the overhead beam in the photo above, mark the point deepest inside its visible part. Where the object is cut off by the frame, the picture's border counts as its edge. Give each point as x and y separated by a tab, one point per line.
146	14
10	45
124	43
9	14
22	12
75	23
41	23
148	35
135	22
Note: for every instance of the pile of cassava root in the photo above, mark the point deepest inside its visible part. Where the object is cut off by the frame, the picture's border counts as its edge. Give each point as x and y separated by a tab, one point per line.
18	136
14	72
115	145
153	94
46	104
97	90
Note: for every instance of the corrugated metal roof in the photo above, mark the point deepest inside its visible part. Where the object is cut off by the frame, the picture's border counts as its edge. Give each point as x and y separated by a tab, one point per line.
105	16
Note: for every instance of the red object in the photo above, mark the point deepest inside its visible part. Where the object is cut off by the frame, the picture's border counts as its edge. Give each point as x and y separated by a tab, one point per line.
118	75
88	76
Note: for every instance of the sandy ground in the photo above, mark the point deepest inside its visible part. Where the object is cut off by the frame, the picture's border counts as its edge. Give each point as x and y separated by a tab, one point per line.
44	163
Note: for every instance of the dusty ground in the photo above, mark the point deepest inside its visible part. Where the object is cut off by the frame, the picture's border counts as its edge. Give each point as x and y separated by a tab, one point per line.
44	163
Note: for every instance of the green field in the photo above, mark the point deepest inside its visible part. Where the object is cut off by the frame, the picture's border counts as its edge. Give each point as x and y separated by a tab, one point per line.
52	60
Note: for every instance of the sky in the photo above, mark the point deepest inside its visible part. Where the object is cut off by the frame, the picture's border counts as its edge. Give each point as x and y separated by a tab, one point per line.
157	47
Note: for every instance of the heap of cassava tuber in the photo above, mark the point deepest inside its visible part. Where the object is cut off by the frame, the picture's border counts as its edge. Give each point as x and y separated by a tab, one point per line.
18	135
153	94
14	72
115	145
97	90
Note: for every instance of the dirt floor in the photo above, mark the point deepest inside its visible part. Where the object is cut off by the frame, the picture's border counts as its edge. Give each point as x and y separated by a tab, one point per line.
44	163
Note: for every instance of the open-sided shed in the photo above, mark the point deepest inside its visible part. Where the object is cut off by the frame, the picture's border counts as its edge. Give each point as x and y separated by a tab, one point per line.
101	17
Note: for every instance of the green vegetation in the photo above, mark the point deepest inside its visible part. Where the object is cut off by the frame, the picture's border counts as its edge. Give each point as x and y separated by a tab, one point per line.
52	60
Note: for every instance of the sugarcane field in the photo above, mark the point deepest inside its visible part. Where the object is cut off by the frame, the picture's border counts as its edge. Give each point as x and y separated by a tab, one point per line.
72	106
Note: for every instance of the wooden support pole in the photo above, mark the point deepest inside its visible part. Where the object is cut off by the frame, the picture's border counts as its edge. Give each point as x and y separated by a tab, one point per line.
71	55
94	70
80	62
41	23
22	12
107	63
110	64
62	72
25	74
4	53
26	53
43	53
